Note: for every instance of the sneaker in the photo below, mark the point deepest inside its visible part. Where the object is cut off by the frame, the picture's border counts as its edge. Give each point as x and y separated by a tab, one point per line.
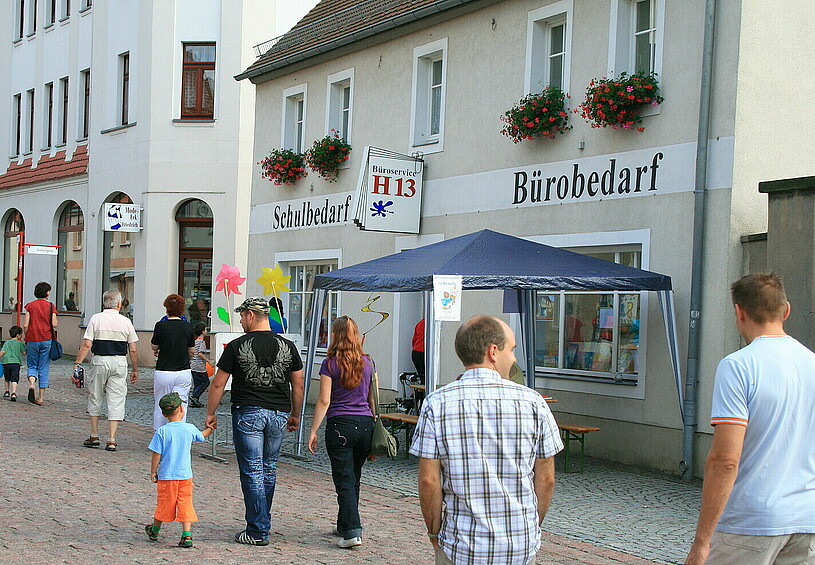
186	541
243	537
349	543
194	402
92	441
13	397
148	529
6	394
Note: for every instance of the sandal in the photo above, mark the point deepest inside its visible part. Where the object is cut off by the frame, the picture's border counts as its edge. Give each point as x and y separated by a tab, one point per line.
186	541
31	398
92	441
111	446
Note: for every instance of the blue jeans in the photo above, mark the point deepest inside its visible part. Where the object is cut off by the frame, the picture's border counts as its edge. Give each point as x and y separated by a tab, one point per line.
348	442
39	360
258	434
200	383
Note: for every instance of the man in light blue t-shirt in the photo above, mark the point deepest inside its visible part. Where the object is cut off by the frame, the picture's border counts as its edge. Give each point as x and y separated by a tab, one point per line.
759	490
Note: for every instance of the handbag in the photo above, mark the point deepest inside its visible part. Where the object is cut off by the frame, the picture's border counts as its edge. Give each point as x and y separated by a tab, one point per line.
56	347
210	369
383	444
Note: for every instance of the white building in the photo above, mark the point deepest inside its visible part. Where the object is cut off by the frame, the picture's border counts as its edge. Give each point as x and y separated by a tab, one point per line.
130	102
434	77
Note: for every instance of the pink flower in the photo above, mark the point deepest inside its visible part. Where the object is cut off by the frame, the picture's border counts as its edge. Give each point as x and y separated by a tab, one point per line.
228	280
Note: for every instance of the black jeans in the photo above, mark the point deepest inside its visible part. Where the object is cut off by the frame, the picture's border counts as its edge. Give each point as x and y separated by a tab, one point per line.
348	442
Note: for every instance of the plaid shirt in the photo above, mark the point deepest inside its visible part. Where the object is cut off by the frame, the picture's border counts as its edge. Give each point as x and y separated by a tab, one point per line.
487	433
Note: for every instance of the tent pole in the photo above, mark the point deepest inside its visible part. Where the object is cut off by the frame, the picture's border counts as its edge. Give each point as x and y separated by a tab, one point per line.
316	313
527	301
430	377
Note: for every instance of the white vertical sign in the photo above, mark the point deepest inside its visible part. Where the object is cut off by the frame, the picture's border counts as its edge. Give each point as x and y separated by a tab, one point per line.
389	194
447	297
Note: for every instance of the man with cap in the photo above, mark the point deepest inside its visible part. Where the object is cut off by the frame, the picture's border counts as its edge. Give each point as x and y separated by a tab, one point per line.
267	391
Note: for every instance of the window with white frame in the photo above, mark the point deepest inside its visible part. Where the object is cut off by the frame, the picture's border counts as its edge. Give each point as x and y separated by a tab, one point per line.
340	92
48	116
124	88
63	111
300	301
85	118
32	17
17	139
66	9
19	19
548	55
30	129
294	118
429	79
636	36
50	12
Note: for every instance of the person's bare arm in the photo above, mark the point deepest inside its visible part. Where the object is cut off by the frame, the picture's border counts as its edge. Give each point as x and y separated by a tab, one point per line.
216	392
190	352
154	466
83	350
721	469
134	361
372	395
544	481
430	495
320	408
54	320
25	322
296	400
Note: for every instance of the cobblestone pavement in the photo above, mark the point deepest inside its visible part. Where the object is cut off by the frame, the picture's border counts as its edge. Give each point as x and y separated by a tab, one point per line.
70	504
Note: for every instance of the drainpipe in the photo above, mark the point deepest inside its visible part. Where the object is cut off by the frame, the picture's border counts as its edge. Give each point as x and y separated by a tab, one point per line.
700	186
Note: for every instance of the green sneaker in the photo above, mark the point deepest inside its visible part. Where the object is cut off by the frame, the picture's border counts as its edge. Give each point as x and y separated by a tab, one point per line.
148	529
186	541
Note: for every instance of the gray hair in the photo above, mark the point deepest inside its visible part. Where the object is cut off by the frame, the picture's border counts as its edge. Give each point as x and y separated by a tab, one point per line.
111	298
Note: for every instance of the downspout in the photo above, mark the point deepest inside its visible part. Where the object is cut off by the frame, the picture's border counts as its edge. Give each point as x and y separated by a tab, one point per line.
700	187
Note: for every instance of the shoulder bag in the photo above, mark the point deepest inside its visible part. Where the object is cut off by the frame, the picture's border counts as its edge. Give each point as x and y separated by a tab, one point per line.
383	444
56	347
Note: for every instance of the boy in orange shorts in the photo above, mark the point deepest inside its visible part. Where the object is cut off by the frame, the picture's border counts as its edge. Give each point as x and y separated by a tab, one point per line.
171	469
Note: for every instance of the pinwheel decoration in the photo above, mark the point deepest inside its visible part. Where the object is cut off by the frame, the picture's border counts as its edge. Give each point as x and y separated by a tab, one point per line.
228	280
274	282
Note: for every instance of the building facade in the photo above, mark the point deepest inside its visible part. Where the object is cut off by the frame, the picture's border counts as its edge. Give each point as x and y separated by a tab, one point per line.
125	116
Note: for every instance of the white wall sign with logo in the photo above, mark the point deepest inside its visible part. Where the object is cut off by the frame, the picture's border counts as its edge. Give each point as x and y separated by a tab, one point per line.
389	192
447	297
122	217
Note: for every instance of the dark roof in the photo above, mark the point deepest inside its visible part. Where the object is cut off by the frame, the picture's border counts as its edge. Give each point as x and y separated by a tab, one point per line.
334	23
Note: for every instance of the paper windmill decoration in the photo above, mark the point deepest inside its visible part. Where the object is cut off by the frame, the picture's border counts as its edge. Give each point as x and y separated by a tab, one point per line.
228	280
274	282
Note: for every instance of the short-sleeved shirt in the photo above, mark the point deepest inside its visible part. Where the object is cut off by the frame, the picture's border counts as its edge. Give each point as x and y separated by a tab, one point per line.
345	401
769	387
417	344
196	363
110	333
261	364
14	352
173	441
487	433
39	320
174	338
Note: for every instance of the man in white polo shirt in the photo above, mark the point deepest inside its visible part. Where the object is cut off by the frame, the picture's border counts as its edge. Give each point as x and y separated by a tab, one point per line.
758	499
110	337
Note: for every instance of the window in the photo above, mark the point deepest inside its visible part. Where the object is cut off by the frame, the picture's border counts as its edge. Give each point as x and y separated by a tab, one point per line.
198	81
66	9
30	132
429	94
48	126
32	17
294	118
63	112
85	120
12	261
300	297
195	230
50	12
18	124
636	36
85	4
339	103
119	262
19	20
590	334
548	56
70	260
124	87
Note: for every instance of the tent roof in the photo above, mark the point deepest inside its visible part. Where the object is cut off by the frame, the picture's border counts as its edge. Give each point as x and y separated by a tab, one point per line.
487	259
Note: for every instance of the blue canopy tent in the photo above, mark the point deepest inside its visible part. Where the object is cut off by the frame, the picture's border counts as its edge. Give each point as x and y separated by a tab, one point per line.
491	260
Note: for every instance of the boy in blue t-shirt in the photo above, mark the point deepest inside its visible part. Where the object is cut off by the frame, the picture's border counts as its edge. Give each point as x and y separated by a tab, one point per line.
171	469
12	356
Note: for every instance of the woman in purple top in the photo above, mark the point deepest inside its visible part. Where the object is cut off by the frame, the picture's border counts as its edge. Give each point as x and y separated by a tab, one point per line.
347	400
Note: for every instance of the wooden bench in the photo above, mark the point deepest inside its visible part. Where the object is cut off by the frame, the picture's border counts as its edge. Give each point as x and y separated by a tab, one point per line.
570	433
398	421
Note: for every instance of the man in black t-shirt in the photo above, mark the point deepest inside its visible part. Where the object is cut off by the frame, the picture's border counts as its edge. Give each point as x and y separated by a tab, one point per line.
267	391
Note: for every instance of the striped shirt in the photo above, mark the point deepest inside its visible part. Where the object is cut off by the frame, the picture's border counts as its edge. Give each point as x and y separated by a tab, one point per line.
110	333
487	432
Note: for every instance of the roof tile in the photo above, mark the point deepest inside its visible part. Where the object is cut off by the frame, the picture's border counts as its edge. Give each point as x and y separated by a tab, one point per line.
47	168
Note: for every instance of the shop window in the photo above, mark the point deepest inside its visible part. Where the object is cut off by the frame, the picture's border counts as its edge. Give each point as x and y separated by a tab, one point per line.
70	259
549	47
593	335
195	228
13	237
198	81
119	262
300	301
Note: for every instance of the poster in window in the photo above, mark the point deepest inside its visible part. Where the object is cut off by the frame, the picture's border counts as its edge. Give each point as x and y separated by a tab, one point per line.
546	308
629	308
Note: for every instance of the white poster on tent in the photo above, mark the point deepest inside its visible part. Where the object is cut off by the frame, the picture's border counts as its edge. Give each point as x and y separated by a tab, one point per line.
447	298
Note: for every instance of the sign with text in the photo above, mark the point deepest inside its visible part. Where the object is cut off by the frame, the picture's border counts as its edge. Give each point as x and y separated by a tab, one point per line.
42	249
389	192
447	298
314	212
122	217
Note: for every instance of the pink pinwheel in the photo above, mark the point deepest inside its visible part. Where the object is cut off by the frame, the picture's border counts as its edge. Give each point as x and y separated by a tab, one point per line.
229	279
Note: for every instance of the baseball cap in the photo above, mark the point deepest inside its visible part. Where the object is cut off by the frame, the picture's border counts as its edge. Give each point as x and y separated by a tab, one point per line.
256	304
169	402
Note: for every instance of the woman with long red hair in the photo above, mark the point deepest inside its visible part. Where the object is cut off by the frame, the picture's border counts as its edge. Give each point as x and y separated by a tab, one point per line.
347	400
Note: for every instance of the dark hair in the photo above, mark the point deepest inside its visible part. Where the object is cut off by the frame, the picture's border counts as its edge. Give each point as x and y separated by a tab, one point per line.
42	289
174	305
346	349
14	331
474	337
761	296
199	328
277	304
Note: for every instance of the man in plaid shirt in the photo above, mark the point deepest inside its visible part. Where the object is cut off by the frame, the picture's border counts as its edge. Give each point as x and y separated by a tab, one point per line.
485	448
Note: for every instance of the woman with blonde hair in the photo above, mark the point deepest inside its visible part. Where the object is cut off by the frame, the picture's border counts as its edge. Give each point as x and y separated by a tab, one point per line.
347	400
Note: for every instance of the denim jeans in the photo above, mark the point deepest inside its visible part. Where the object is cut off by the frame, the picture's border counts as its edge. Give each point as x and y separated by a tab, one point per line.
348	442
200	382
258	434
39	360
